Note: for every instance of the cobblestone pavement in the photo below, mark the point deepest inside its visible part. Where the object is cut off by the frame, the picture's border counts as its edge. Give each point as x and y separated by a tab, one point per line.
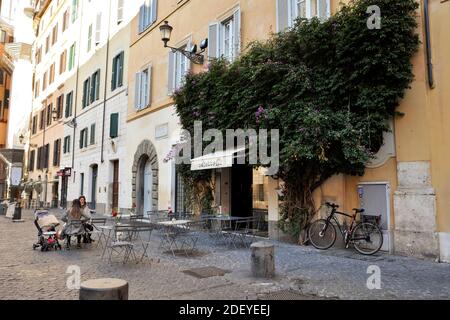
338	274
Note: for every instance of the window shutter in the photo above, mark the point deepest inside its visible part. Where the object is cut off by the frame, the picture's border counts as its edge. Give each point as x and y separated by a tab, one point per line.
141	18
97	85
119	11
171	75
81	138
121	62
237	32
149	85
92	133
137	88
113	74
282	15
114	125
86	134
154	11
213	41
98	28
323	9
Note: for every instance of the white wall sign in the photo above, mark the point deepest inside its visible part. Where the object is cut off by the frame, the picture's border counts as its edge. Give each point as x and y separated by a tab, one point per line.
16	176
162	131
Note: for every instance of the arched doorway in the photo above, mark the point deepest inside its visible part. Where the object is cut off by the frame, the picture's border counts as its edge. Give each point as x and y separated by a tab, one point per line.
145	178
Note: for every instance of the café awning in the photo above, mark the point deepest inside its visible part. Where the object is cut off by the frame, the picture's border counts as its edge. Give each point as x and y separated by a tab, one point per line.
219	159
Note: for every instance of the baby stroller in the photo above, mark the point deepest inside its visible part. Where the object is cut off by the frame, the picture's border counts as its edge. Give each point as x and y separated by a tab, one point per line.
46	224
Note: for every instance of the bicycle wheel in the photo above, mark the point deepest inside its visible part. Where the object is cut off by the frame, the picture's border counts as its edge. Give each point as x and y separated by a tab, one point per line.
322	236
367	238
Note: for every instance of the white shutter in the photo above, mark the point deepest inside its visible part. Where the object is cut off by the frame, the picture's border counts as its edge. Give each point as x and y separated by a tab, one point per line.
144	89
149	84
237	33
98	28
213	41
323	9
141	18
154	11
282	15
119	11
171	74
137	94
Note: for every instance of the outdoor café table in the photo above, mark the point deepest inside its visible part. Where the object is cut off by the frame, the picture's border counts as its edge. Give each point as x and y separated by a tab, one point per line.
171	230
223	223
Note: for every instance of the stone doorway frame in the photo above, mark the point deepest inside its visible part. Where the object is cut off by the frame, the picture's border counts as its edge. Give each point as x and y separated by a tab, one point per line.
146	149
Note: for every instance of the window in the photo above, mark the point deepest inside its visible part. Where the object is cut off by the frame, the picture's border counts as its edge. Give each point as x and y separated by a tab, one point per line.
39	159
142	90
289	10
92	139
74	10
95	86
59	106
65	23
52	74
38	55
47	44
89	38
84	138
81	183
86	88
66	144
49	114
31	160
6	99
34	125
2	77
147	14
72	57
225	37
98	29
46	154
62	62
55	34
56	152
119	11
117	71
42	120
36	89
69	101
114	125
44	82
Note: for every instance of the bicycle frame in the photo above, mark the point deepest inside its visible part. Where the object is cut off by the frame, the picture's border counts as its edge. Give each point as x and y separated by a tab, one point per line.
340	227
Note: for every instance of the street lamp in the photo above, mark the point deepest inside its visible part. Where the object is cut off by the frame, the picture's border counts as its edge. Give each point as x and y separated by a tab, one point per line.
197	58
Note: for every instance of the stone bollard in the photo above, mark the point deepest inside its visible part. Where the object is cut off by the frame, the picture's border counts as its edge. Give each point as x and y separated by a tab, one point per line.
104	289
263	259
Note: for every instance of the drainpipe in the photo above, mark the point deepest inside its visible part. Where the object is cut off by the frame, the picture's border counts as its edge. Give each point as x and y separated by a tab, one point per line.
106	85
76	90
428	44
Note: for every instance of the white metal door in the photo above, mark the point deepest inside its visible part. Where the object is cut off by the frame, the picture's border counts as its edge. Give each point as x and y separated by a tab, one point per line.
148	178
374	199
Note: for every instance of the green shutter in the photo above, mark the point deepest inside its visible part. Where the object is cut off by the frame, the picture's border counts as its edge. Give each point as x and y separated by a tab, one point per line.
97	85
114	125
120	80
113	75
92	133
81	138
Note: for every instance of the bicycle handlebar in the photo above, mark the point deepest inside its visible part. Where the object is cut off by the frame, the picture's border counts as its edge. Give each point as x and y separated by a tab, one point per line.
332	205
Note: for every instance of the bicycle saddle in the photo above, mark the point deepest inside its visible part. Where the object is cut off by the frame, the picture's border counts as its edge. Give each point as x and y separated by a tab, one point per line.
358	210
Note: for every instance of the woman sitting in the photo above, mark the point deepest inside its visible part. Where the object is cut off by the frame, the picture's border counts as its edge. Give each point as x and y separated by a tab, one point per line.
74	219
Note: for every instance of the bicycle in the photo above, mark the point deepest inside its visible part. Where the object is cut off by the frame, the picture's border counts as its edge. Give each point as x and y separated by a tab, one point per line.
366	237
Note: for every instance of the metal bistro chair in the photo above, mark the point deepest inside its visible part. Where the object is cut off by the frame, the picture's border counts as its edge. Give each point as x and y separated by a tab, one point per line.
96	222
121	246
142	234
244	230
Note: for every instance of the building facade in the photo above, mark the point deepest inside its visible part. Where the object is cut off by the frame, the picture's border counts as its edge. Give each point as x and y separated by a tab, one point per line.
107	79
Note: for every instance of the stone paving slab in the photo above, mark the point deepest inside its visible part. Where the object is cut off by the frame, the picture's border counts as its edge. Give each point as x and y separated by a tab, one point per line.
334	274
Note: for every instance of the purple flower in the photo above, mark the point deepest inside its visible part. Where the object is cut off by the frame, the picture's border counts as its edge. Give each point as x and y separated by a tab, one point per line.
196	114
259	113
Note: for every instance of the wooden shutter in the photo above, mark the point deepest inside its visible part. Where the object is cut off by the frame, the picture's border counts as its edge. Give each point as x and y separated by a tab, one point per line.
92	134
120	69
97	85
114	74
141	18
213	41
154	9
137	90
81	138
98	28
114	125
237	33
282	15
119	11
149	85
171	74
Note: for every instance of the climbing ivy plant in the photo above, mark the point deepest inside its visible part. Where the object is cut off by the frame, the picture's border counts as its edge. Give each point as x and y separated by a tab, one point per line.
330	87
